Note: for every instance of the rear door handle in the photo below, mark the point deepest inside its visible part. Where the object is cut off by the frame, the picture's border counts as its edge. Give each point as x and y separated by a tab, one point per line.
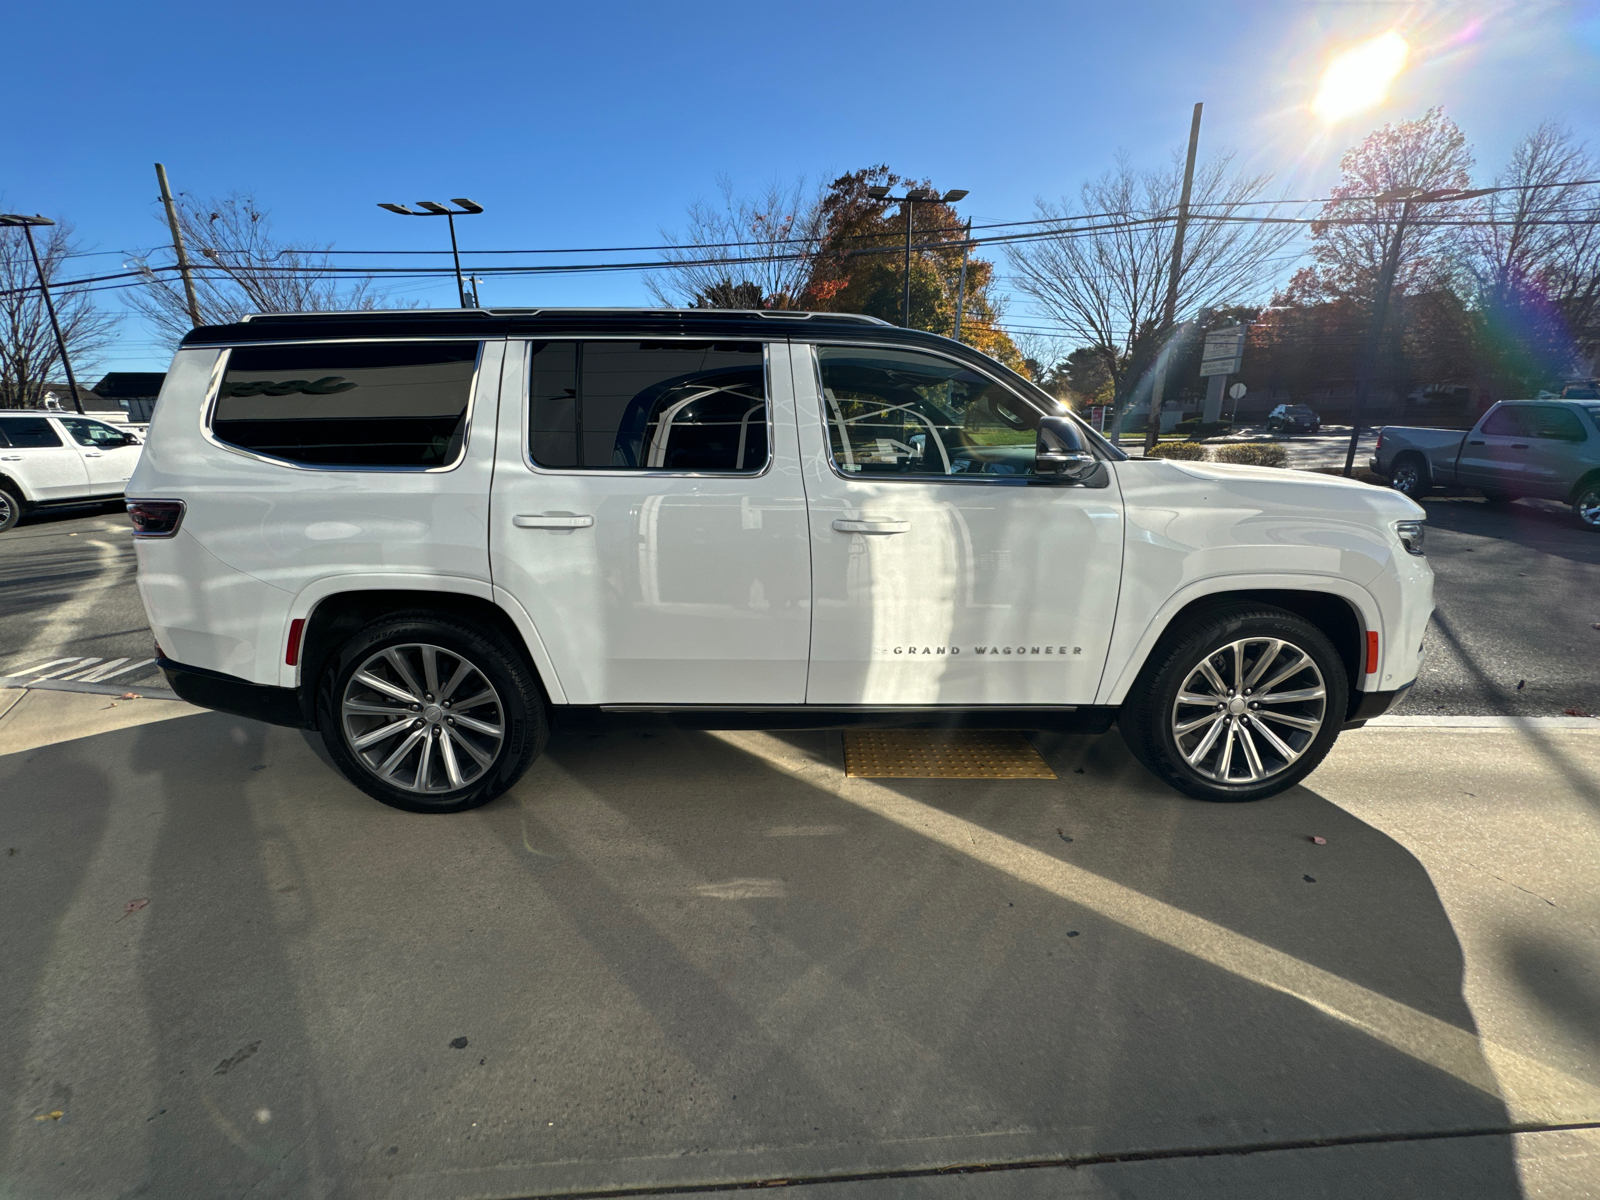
1478	443
551	521
1519	445
844	526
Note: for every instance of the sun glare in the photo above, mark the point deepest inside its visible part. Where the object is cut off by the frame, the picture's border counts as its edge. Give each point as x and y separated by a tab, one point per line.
1360	77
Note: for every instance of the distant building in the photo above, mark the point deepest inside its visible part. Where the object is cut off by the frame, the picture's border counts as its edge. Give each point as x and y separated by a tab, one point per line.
134	392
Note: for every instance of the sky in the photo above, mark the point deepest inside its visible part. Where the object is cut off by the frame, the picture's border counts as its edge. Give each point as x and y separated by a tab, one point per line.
597	124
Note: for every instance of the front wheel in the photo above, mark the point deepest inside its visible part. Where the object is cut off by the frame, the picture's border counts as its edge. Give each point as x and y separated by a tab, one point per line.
10	508
1586	505
429	714
1240	704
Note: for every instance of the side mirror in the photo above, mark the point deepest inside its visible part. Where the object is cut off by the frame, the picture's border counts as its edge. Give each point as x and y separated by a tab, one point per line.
1060	452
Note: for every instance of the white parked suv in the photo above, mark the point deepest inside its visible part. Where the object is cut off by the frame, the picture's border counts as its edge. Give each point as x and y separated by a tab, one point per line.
431	535
50	458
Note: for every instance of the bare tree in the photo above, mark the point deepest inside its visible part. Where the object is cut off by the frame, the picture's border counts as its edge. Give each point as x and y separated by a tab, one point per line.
1103	277
29	357
1535	260
240	268
748	252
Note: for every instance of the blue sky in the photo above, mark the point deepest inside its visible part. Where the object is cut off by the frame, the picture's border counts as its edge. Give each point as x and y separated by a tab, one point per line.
582	125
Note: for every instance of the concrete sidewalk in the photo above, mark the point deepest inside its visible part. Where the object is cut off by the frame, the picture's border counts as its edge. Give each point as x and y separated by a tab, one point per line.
686	959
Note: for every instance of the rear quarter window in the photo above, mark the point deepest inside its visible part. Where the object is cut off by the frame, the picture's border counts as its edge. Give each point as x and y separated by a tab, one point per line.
384	405
24	433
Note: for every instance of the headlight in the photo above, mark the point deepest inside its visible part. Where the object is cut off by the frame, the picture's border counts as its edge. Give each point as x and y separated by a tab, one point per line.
1410	535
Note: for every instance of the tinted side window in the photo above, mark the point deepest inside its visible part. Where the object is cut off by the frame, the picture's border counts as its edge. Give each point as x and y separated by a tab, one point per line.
1505	422
30	432
1555	423
359	405
93	433
898	412
673	406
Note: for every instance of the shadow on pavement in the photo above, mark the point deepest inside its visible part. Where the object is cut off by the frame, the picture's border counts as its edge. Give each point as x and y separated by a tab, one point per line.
668	959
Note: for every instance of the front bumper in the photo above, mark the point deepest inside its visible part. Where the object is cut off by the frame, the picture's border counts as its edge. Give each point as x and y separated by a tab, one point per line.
238	697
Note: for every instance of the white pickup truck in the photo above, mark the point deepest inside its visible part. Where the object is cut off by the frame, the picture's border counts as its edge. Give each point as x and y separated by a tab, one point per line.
432	536
1544	448
49	458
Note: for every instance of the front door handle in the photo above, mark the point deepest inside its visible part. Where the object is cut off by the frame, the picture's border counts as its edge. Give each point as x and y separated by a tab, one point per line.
10	458
1519	445
1475	443
93	454
551	521
844	526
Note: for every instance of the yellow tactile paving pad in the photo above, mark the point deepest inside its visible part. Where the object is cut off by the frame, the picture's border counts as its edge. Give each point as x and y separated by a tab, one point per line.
942	754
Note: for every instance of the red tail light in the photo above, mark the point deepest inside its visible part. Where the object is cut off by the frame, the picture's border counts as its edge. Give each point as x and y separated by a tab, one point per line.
155	518
1372	652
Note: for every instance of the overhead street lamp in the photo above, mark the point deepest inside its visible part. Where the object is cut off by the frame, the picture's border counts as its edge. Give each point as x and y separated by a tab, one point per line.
434	209
27	224
911	199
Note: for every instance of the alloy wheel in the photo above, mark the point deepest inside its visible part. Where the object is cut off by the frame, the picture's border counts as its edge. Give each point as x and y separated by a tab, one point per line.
1588	507
422	718
1249	710
1407	479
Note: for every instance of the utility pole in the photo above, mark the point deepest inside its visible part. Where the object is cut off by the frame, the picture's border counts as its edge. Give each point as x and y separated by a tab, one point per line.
27	223
961	290
177	245
1153	426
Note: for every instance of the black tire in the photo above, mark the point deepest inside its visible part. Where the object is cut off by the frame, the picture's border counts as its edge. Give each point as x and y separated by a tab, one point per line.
11	508
517	708
1150	718
1586	503
1408	475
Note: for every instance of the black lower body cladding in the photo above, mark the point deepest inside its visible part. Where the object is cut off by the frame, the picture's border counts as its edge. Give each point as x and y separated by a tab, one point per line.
238	697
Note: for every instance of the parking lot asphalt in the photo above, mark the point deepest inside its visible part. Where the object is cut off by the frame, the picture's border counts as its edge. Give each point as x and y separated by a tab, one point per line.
697	959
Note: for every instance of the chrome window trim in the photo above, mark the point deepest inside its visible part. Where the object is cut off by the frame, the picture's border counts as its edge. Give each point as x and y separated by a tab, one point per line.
810	347
635	472
208	409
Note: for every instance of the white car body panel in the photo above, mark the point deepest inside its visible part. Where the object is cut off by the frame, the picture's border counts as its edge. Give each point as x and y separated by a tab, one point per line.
46	473
990	593
683	589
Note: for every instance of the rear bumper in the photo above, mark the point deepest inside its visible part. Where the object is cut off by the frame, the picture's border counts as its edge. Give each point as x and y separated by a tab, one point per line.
1372	465
239	697
1374	704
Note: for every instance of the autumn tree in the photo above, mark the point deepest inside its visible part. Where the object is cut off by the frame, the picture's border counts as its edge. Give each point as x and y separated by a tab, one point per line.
29	356
1099	268
241	267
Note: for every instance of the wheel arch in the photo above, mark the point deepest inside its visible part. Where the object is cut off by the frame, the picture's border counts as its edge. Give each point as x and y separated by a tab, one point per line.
14	486
1584	481
332	617
1341	610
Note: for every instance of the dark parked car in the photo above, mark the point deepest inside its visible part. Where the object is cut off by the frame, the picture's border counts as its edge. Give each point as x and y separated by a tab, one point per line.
1293	419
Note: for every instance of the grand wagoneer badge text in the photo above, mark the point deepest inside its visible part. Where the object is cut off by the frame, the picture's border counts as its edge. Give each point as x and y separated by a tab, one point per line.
986	651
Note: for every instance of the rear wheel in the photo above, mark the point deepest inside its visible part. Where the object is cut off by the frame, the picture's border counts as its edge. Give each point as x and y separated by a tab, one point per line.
429	714
10	508
1238	705
1409	475
1586	504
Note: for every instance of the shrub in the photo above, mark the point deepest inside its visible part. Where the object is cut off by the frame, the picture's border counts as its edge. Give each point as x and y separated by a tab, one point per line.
1253	454
1188	451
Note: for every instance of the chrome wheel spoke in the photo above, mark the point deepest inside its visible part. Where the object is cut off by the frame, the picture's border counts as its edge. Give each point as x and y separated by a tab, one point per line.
1295	697
1226	763
1305	723
368	679
378	734
1268	657
1190	726
1238	666
1218	724
389	728
1210	672
1288	752
1200	698
478	726
1252	756
1298	665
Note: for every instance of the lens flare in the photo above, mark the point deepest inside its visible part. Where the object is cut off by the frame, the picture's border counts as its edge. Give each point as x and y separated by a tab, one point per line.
1360	77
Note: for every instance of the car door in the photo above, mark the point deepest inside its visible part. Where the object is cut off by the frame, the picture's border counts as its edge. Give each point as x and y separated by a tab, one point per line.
109	455
1495	454
945	573
1555	444
33	451
647	513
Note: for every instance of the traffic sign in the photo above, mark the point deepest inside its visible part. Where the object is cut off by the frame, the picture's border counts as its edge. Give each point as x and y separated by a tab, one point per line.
1224	351
1237	391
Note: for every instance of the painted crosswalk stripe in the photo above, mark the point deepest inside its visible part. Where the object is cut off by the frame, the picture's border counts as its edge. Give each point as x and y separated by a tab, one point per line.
91	672
41	667
72	664
101	674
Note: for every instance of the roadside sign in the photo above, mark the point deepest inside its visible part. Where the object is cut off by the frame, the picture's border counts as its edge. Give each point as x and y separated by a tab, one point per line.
1237	391
1224	351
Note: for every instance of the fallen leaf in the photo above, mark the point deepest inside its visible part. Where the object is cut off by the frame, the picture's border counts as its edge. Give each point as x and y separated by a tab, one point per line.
1062	834
58	1113
458	1043
238	1056
1308	879
132	906
130	696
1318	841
1577	712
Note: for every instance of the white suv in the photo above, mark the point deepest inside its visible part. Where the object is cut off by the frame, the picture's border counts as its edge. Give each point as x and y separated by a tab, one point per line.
50	458
430	535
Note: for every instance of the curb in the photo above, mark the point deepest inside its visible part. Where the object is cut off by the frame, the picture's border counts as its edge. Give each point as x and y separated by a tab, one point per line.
93	689
1466	722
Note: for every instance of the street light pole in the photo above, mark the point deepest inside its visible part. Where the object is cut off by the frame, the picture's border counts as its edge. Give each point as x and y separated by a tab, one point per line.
911	199
27	224
961	289
434	209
